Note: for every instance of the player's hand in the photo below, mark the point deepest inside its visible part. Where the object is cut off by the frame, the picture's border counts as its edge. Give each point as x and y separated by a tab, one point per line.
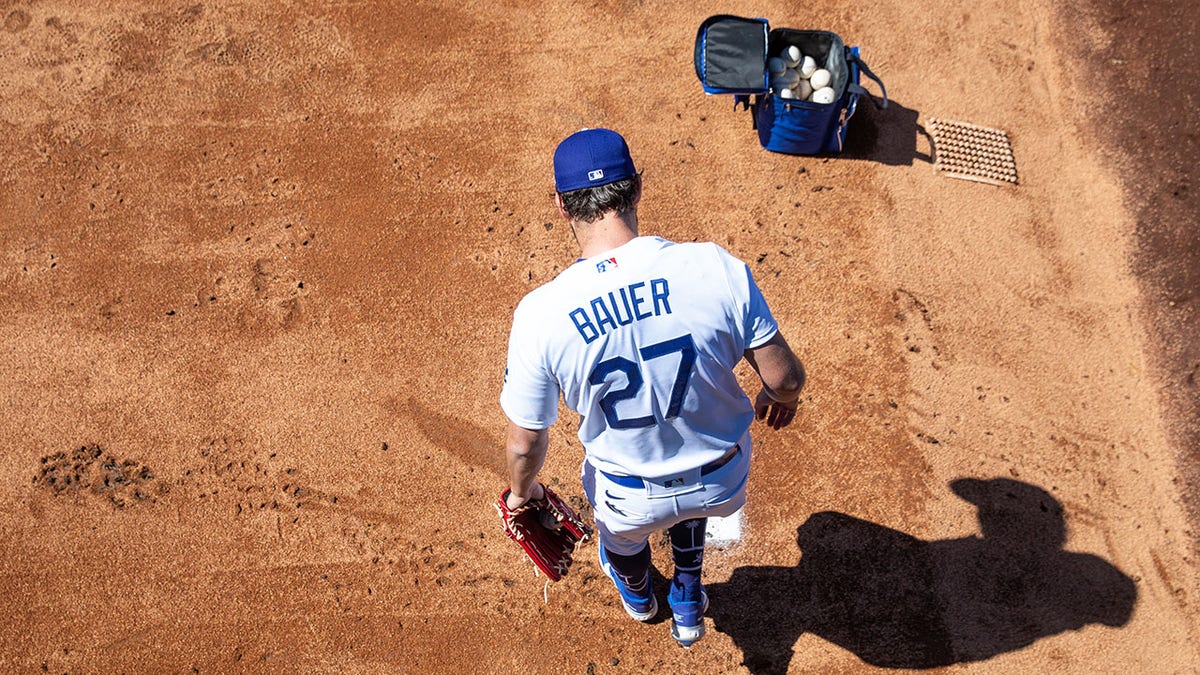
777	414
516	501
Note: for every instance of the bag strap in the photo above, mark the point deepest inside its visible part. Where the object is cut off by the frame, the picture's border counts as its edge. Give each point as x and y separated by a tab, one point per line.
744	102
856	88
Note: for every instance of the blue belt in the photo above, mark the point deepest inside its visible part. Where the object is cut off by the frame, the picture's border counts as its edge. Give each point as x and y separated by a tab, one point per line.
637	483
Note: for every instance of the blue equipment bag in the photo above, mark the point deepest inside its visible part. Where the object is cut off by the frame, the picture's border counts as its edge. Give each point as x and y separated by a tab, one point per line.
731	58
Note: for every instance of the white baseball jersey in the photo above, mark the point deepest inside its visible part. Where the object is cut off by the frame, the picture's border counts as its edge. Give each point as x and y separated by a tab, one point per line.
641	342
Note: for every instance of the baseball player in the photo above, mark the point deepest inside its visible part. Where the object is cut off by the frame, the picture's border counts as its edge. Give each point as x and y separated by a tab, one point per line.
640	337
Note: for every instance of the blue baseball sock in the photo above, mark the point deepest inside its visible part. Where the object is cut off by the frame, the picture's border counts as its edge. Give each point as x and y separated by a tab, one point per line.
632	570
687	545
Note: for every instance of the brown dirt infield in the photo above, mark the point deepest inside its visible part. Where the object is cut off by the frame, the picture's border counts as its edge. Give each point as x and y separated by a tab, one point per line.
258	263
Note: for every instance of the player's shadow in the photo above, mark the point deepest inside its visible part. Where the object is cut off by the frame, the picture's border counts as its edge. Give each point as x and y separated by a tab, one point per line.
896	601
886	136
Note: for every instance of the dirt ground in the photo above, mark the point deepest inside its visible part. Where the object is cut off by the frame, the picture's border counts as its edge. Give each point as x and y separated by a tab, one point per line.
257	268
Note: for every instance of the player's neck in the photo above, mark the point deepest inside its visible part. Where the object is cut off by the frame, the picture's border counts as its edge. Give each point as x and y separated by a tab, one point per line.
611	231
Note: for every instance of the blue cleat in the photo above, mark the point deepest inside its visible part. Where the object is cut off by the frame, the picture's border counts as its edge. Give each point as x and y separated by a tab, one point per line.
687	618
640	603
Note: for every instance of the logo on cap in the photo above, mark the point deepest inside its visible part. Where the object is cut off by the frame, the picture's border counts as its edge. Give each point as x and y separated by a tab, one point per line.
596	174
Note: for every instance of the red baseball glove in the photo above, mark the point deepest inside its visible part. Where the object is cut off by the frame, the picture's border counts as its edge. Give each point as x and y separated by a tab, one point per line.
547	529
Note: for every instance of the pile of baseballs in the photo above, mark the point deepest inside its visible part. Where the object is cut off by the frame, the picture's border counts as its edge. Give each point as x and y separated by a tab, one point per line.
796	76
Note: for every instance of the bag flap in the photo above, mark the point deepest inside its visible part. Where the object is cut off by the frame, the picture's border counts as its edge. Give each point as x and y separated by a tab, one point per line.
731	55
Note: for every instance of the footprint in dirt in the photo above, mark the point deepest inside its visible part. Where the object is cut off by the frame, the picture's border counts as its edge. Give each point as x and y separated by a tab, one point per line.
232	473
16	21
91	471
919	336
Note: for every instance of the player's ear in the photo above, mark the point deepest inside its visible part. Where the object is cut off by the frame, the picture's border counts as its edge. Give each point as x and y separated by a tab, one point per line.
562	210
638	196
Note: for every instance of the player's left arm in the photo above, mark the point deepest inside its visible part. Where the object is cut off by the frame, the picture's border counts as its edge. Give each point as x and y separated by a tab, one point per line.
782	376
765	349
525	452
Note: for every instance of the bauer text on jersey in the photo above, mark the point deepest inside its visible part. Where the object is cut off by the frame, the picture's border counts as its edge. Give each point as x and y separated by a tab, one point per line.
621	307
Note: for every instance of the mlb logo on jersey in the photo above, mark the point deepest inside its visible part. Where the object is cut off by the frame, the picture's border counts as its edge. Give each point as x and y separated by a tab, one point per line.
603	265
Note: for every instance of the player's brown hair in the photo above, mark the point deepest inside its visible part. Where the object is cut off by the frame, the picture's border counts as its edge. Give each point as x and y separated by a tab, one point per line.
590	204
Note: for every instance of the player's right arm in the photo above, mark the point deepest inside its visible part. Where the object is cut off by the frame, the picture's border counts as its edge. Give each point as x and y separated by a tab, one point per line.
782	379
525	452
530	400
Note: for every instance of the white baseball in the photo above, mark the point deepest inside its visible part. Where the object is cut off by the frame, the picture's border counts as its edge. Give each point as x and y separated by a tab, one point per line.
787	93
790	78
792	55
820	78
776	66
804	90
824	95
807	67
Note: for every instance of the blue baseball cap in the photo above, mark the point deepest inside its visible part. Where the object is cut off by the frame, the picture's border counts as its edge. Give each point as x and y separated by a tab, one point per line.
591	158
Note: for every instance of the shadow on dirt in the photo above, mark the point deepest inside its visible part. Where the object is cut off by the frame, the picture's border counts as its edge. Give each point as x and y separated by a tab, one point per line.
884	136
896	601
